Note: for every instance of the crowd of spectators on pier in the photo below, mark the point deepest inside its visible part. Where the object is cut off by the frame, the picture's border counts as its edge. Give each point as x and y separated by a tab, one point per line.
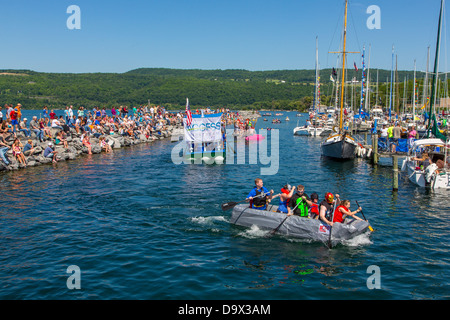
54	128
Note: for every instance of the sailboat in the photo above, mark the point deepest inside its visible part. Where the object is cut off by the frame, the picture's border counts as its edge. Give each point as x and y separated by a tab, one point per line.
436	175
317	127
340	145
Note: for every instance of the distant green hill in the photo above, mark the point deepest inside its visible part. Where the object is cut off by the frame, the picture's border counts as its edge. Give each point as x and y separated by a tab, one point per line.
235	89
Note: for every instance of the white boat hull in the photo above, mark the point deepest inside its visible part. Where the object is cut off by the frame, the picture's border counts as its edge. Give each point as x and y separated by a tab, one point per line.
312	131
301	131
420	177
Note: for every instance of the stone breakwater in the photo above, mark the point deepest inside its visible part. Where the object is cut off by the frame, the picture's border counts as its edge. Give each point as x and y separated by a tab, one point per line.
75	147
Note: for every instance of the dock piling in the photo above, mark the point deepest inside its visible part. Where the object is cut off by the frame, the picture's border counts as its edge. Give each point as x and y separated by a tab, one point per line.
375	148
395	173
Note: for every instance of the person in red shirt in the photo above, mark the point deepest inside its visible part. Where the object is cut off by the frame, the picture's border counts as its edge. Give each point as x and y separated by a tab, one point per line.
314	209
52	115
343	210
14	121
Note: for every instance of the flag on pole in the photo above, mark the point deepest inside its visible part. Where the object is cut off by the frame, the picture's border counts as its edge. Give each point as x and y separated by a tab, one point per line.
188	113
334	72
354	64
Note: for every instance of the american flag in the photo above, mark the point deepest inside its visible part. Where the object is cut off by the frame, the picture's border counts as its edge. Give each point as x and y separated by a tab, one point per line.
354	64
188	113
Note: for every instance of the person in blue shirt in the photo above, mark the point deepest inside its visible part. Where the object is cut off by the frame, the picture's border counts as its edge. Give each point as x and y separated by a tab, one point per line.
259	195
50	153
286	194
28	150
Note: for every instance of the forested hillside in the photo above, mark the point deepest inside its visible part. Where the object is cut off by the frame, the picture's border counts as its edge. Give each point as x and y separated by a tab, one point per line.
277	89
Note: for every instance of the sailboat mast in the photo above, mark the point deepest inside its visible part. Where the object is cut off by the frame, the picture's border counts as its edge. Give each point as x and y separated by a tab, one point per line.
390	94
436	68
343	67
363	75
414	94
317	75
425	83
367	102
376	99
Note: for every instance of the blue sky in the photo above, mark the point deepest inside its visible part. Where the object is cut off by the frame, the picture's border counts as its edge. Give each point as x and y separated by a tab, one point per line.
118	36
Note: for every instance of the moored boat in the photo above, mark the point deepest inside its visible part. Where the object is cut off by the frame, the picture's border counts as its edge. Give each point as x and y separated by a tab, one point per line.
340	146
432	176
301	131
296	226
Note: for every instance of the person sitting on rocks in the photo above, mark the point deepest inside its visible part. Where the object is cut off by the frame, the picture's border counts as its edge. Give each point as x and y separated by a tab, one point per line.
56	124
86	142
44	127
50	153
61	136
104	145
4	147
23	127
34	126
29	149
17	152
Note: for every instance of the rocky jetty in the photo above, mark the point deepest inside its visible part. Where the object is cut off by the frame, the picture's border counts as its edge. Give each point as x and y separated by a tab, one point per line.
75	147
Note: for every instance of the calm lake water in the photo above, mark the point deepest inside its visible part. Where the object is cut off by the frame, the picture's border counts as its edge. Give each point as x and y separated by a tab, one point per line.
140	227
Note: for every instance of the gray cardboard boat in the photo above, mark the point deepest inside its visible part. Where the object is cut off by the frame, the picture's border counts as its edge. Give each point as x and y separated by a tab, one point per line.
296	226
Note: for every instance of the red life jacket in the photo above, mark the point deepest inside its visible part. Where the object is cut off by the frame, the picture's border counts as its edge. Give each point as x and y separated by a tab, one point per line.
314	208
338	215
285	191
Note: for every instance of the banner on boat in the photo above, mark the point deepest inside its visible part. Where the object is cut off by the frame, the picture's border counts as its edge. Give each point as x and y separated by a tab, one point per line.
324	229
206	128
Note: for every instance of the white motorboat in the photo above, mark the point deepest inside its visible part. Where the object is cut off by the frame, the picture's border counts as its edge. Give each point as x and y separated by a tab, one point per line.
432	176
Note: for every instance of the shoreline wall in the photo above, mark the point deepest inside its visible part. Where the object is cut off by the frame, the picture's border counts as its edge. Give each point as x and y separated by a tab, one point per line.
75	147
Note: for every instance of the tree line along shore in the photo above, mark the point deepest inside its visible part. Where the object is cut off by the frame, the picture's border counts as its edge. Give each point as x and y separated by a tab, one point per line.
233	89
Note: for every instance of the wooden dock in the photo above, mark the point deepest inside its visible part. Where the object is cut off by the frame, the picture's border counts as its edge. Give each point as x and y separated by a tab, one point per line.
376	155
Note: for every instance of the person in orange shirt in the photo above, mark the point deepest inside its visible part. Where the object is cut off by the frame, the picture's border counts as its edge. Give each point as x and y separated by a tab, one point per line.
19	112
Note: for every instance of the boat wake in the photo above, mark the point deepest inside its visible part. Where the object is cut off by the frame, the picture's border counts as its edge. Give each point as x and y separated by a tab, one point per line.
253	232
208	221
360	240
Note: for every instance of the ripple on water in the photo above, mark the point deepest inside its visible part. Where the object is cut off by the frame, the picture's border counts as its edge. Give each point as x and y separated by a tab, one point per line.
140	227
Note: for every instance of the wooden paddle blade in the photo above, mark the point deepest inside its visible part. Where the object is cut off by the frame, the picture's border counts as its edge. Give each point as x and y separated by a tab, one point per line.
228	205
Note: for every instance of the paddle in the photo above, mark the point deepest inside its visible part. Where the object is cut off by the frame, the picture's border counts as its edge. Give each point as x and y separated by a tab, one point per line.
370	228
277	228
229	205
331	227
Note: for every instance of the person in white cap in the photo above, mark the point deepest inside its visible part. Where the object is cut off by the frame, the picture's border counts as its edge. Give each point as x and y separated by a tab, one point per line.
35	127
23	127
50	153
